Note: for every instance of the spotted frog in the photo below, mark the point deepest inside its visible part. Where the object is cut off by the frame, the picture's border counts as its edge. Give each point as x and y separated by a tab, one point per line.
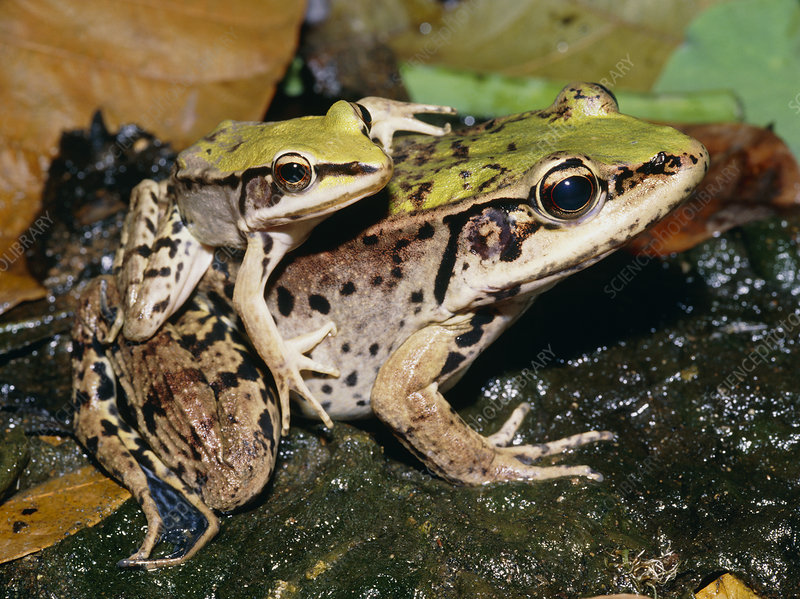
420	280
263	187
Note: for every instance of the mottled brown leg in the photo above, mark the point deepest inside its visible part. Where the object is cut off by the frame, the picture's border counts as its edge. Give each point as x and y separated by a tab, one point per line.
119	448
406	397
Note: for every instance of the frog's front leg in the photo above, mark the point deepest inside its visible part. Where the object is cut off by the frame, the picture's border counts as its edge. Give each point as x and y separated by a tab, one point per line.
389	116
406	397
159	262
285	359
174	512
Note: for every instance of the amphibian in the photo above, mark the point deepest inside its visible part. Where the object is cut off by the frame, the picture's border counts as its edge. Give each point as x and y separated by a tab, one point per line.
419	280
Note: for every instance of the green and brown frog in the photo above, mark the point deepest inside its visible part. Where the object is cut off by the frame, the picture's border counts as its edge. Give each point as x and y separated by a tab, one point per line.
419	280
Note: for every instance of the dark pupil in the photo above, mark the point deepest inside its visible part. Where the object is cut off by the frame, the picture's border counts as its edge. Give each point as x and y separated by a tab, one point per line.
572	194
293	172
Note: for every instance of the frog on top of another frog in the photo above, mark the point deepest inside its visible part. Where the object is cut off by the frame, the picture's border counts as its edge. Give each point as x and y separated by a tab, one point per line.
263	187
419	280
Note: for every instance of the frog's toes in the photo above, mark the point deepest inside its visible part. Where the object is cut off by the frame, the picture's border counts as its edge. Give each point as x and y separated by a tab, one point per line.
177	522
390	116
540	450
308	341
506	433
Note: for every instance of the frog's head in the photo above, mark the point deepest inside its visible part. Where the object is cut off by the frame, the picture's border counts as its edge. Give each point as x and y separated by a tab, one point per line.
254	176
600	179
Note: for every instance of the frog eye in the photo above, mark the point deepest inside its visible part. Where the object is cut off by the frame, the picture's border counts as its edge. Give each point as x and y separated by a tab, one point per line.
568	191
292	172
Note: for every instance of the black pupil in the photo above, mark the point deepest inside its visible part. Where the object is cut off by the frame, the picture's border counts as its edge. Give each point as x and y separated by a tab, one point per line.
572	194
293	172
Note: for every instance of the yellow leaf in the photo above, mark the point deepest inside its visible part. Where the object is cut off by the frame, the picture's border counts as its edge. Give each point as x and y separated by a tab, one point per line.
46	513
176	68
726	586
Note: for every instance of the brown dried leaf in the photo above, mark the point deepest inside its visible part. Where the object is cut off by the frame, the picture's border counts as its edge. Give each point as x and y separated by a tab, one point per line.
753	175
175	68
46	513
726	586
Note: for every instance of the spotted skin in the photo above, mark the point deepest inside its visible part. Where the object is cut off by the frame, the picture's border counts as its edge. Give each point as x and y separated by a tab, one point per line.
420	286
231	189
204	427
196	379
473	257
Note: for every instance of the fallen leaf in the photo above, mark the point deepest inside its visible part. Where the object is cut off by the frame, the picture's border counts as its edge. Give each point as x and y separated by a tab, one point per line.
175	68
617	41
753	175
43	515
726	586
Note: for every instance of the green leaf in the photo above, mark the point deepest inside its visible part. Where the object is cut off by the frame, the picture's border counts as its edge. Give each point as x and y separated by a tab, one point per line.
495	95
753	48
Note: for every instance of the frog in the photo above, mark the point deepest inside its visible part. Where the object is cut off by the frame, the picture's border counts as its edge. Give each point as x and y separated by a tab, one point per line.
421	279
263	186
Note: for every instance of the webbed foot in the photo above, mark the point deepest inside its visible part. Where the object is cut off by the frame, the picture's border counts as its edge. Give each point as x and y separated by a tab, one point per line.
172	518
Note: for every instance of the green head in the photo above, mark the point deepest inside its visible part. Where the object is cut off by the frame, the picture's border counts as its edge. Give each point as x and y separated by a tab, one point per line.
248	176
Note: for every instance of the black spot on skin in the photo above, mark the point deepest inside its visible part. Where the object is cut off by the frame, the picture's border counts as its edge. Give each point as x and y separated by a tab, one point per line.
29	510
377	280
348	288
267	242
397	259
361	402
285	301
474	335
143	250
451	363
417	198
150	226
401	244
417	297
319	303
164	271
105	389
505	293
370	239
397	273
109	428
161	306
326	404
345	348
426	231
445	272
351	379
91	444
459	150
19	525
373	349
225	380
327	389
166	244
266	425
511	147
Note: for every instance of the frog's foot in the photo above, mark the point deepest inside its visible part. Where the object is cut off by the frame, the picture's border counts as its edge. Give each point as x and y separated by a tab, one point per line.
505	435
302	344
406	397
181	520
288	379
390	116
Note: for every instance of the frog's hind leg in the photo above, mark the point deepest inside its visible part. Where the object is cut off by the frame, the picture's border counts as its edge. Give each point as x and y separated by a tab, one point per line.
406	397
174	512
159	262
